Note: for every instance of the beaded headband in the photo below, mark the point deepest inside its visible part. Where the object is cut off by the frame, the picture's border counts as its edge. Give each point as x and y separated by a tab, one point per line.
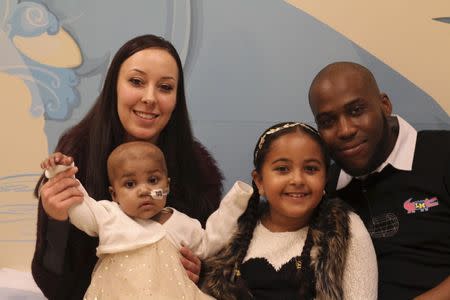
262	139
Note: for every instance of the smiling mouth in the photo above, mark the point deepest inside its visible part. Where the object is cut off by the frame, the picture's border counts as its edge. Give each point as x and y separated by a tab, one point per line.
351	151
296	195
146	116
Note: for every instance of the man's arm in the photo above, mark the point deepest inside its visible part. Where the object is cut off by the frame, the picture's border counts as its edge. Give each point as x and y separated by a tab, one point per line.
442	290
439	292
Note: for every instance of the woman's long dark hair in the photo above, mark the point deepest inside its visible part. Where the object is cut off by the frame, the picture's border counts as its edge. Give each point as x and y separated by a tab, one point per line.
222	276
91	141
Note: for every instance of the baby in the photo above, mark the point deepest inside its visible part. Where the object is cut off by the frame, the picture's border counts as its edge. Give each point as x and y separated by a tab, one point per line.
139	237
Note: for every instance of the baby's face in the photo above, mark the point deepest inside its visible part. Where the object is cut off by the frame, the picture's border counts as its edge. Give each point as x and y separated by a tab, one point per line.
133	181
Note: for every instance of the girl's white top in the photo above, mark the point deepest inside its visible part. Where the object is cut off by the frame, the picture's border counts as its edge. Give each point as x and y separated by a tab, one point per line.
360	280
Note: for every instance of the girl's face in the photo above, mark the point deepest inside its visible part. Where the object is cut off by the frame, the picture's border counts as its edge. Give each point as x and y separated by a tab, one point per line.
292	178
147	93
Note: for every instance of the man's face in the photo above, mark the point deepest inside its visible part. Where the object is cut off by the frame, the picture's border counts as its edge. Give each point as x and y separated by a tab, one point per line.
351	117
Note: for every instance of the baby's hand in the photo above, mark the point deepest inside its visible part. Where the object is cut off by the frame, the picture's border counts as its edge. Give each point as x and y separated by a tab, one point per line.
56	163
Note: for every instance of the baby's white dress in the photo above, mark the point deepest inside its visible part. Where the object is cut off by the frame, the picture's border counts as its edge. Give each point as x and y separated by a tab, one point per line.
140	259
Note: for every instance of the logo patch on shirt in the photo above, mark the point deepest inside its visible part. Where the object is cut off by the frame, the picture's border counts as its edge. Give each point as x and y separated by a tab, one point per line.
420	205
383	226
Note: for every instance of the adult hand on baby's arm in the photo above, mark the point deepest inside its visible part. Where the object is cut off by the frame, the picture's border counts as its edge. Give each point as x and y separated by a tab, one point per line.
191	264
60	192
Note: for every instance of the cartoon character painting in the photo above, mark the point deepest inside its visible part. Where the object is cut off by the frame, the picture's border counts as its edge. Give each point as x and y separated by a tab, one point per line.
37	82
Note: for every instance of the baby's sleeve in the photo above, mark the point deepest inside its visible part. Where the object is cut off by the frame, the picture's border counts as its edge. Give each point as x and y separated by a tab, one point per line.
220	226
85	214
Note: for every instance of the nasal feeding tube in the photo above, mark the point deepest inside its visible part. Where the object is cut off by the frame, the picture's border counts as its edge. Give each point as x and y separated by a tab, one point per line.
157	194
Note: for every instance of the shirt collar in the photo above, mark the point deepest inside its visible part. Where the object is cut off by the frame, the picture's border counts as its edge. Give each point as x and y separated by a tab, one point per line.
400	158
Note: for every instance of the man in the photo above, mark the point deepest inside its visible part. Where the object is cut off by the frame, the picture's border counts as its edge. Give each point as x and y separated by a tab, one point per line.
397	180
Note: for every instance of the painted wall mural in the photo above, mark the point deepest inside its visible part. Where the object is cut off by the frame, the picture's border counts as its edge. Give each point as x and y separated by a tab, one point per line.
411	37
248	64
37	83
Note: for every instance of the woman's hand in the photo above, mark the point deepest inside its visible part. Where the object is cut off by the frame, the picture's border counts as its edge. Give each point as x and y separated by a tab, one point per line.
191	264
60	192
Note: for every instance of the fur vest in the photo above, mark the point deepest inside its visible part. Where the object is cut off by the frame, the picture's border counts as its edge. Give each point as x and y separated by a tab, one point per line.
330	233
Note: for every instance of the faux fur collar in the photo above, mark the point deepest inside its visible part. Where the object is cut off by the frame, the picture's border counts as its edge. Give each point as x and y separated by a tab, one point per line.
329	252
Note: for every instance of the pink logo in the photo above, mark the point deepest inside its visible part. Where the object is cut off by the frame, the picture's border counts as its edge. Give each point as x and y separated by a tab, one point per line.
420	205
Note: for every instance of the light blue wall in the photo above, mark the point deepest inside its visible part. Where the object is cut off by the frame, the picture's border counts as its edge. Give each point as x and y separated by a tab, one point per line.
248	64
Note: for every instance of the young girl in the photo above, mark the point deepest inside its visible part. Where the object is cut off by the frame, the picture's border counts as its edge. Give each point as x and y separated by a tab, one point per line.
297	243
140	237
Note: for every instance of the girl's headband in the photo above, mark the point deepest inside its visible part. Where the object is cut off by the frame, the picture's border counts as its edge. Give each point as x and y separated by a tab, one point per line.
262	139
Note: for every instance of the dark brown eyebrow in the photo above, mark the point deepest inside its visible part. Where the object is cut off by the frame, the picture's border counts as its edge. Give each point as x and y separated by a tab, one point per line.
137	70
280	160
124	175
309	160
315	160
143	73
346	106
154	171
353	102
323	115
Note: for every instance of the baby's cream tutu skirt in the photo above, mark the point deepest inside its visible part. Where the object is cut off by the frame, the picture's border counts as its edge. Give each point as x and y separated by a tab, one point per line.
150	272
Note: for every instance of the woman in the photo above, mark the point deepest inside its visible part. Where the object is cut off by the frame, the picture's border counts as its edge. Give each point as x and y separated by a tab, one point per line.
142	99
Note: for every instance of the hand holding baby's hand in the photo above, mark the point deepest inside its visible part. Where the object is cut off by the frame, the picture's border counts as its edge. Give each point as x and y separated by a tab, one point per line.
61	191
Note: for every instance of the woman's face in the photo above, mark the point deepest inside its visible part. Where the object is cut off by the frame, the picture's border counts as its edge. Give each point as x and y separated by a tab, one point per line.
147	93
